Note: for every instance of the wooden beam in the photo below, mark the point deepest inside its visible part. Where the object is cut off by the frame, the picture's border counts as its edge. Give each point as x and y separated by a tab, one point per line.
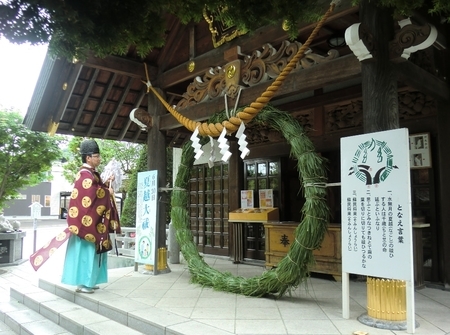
318	122
86	94
136	105
339	70
248	43
414	76
105	96
55	85
180	73
70	82
191	42
348	93
120	66
118	107
443	191
174	140
172	43
156	160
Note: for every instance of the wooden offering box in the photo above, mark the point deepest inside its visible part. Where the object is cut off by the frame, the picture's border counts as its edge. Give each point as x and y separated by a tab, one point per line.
280	236
254	214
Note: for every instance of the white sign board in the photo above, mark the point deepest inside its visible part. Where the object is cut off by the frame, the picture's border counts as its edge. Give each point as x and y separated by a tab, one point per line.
146	214
35	210
376	205
247	199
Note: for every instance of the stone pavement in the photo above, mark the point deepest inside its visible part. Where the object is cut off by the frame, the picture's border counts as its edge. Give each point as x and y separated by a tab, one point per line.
171	304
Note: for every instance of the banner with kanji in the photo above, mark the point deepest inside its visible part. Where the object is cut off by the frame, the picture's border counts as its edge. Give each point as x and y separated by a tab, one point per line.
146	214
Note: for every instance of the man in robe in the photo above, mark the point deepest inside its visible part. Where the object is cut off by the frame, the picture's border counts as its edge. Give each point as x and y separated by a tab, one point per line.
92	215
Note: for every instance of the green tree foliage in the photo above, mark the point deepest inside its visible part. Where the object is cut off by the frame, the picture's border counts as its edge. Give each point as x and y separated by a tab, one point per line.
128	218
126	153
72	159
25	155
75	27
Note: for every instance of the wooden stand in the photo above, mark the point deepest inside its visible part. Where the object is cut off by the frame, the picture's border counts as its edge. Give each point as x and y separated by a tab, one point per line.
280	236
242	218
328	257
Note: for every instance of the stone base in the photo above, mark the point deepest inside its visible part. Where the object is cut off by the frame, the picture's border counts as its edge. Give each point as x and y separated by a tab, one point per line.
383	324
150	272
11	247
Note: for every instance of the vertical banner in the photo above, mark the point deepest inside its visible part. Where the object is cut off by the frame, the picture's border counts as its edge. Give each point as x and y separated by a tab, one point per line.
146	214
376	205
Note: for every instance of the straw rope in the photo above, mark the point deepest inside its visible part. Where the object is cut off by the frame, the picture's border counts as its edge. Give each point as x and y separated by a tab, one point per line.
249	112
293	269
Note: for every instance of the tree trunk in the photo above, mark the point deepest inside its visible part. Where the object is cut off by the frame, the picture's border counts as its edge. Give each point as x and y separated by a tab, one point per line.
379	82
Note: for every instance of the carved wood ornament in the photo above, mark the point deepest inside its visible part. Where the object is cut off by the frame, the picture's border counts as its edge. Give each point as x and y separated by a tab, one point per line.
408	39
411	105
247	114
259	67
141	118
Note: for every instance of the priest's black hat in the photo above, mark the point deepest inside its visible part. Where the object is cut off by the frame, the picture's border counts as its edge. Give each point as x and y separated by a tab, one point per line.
89	147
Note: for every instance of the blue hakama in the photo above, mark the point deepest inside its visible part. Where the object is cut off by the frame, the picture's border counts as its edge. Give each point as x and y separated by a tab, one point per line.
82	265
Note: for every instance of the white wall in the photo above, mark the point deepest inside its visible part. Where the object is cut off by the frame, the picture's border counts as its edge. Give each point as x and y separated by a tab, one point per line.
59	184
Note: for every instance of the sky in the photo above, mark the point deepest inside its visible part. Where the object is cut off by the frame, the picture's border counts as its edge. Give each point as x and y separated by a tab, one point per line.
20	66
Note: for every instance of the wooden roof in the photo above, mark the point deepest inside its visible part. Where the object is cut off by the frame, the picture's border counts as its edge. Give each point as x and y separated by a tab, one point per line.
94	98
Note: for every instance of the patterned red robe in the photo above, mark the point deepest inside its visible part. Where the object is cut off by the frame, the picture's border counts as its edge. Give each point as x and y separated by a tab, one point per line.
92	211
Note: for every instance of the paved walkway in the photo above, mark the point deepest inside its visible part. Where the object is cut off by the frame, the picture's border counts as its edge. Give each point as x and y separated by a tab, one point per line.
314	309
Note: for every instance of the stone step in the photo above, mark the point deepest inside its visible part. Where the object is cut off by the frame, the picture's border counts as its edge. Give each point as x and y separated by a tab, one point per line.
19	319
134	314
5	330
65	316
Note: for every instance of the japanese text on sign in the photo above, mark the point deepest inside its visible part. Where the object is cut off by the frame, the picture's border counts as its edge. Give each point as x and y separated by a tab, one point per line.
376	206
146	213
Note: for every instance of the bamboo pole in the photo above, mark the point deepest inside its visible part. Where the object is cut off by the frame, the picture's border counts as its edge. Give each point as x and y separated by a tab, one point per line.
386	299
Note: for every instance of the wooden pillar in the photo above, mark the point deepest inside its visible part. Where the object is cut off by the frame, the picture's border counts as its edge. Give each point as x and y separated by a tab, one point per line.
156	160
234	191
443	221
380	105
234	169
379	82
